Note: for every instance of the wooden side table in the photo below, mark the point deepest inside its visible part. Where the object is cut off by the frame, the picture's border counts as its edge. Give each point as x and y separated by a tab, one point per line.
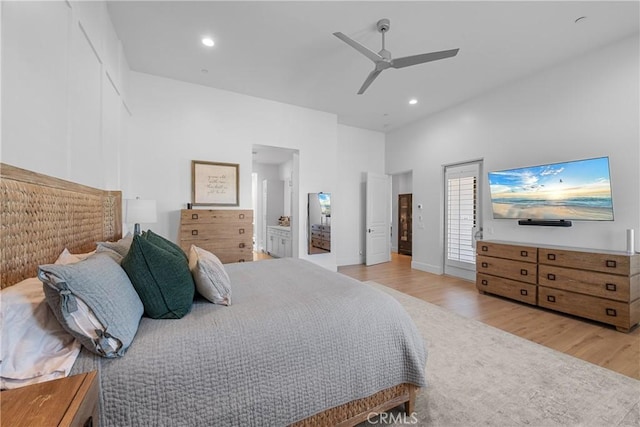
70	401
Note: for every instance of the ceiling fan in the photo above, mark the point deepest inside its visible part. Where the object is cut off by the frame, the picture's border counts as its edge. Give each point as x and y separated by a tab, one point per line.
383	60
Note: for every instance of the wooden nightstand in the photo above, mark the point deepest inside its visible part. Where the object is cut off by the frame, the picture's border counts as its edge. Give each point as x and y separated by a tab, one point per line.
71	401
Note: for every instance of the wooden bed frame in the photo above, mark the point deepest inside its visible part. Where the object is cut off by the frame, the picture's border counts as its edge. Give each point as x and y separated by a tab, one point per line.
41	215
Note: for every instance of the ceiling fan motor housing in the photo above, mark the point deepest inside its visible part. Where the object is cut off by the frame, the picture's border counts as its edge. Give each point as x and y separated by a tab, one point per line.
383	25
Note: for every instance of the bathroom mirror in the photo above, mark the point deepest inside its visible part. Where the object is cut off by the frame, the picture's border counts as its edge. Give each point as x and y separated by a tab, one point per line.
319	223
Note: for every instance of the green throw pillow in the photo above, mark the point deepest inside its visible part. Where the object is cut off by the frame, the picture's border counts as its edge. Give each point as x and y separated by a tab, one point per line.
161	278
165	244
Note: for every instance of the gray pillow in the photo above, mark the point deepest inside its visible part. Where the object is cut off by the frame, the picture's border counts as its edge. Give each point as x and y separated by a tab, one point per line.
95	302
118	249
212	280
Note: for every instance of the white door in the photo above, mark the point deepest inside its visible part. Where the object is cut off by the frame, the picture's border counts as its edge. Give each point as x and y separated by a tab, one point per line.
462	218
378	218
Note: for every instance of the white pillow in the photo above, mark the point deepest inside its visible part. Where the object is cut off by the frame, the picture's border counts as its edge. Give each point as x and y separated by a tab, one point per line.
212	281
34	346
67	257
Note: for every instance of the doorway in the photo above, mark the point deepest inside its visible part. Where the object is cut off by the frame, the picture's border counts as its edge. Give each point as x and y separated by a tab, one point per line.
462	224
275	200
405	224
401	183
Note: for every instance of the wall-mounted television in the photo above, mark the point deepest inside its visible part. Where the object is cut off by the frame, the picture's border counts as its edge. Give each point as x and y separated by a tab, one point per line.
575	190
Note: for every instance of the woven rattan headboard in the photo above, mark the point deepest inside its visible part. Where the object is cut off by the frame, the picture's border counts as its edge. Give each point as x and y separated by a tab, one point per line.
42	215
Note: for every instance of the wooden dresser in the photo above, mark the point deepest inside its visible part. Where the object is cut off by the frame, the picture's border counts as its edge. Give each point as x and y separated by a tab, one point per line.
598	285
70	401
508	270
321	236
227	233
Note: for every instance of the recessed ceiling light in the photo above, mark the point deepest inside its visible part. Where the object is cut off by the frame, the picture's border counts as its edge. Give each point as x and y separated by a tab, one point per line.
413	101
207	41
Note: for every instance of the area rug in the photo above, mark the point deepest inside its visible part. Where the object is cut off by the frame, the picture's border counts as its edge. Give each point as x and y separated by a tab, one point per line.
480	375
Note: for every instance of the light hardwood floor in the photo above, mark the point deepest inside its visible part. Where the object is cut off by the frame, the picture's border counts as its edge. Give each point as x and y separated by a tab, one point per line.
589	341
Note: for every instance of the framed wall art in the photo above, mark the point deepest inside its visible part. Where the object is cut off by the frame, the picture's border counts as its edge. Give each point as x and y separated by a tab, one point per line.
214	184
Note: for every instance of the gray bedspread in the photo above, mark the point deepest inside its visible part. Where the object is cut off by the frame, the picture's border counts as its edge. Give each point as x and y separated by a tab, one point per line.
297	340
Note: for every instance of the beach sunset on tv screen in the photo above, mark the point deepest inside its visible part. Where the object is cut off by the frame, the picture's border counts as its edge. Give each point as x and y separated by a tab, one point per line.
577	190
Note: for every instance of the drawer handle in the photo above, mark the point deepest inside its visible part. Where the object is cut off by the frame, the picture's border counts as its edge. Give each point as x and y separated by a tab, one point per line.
551	257
484	282
611	263
524	253
194	216
523	292
484	248
241	245
194	232
241	231
551	276
611	312
241	216
524	272
484	265
551	298
611	287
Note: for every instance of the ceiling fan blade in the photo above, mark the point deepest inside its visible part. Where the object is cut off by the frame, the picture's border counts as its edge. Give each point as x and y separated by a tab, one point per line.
370	78
360	48
420	59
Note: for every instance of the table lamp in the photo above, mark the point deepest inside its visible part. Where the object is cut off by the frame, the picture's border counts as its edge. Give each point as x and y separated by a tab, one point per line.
137	211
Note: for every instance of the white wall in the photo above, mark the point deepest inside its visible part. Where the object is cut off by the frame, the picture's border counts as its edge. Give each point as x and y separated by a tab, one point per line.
586	107
176	122
268	172
359	151
285	172
63	90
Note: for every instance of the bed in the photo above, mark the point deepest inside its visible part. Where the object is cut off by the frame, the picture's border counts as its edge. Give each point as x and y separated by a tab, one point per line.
299	346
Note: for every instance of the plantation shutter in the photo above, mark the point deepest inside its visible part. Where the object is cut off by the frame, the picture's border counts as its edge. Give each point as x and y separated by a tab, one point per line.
461	214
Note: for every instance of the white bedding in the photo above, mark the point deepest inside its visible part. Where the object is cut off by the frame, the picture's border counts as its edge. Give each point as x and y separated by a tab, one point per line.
34	346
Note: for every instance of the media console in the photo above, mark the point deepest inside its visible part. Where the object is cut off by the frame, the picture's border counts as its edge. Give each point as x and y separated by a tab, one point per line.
595	284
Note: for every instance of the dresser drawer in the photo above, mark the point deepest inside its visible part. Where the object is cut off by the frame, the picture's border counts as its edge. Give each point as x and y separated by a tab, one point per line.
229	255
607	263
324	244
206	216
220	231
500	250
510	269
513	289
603	310
588	282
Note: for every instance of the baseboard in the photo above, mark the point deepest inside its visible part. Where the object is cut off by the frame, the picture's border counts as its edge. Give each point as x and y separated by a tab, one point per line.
426	267
350	261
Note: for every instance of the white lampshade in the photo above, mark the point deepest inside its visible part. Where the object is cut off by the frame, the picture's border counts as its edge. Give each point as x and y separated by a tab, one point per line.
140	211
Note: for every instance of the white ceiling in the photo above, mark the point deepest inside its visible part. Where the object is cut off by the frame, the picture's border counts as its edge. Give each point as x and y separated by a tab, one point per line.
285	51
